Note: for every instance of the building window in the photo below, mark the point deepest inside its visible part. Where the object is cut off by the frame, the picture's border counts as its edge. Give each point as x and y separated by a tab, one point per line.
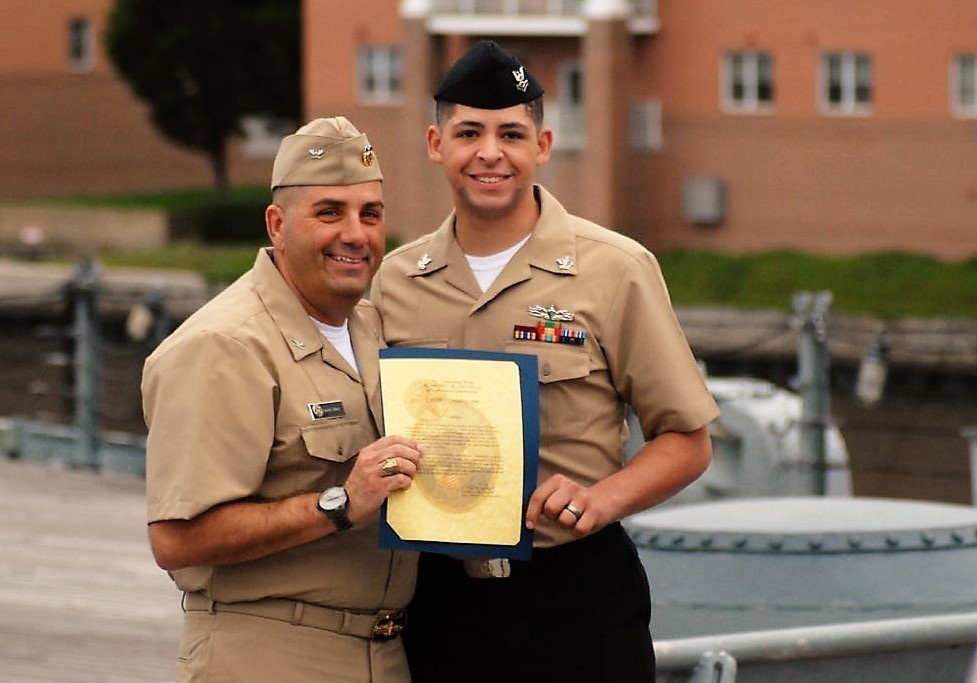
964	85
380	75
646	126
847	83
565	112
81	45
748	81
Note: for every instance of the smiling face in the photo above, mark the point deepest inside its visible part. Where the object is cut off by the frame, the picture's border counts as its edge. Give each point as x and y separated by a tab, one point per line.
490	157
328	242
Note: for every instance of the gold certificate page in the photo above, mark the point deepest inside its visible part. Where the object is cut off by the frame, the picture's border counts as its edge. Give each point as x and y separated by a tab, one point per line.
467	417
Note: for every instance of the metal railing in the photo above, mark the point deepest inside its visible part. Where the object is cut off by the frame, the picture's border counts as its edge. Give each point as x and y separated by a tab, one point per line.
515	8
906	650
509	7
84	443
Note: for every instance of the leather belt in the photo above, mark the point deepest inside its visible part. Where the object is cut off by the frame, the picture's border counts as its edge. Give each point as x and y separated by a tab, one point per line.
381	625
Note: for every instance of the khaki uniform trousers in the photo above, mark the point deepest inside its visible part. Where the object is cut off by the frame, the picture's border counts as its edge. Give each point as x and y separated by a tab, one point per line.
225	647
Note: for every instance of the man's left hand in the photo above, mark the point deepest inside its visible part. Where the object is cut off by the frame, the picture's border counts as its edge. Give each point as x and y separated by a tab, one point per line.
569	504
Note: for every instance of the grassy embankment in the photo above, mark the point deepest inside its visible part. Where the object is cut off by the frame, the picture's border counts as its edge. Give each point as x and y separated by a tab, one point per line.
887	285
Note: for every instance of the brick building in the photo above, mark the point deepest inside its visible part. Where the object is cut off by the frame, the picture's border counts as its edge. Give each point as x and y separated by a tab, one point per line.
837	126
71	126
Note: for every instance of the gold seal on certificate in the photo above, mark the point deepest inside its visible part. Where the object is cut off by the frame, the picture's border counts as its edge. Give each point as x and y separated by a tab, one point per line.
462	460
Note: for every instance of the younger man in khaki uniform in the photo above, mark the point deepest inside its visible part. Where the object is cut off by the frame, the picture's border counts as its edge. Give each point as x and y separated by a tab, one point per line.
265	470
510	270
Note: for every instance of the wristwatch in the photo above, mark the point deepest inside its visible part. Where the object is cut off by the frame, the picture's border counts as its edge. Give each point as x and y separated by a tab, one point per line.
333	503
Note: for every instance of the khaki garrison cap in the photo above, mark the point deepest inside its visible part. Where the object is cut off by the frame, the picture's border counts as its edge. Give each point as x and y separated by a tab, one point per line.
327	151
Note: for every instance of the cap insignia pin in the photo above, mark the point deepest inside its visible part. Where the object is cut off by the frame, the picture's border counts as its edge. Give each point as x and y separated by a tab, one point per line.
565	263
423	262
367	157
522	83
551	312
316	152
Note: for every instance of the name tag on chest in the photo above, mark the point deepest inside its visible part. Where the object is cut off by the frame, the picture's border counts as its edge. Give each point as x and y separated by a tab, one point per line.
329	410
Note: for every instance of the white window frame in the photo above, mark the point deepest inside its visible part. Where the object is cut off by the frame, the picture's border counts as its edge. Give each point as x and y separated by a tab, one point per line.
854	73
963	85
646	126
379	74
81	45
565	115
752	70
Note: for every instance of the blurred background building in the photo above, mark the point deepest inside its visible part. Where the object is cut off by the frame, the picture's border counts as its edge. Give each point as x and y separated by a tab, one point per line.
71	126
837	127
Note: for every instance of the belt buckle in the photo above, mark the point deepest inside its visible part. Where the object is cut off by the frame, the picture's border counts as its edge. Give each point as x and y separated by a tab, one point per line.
487	568
388	626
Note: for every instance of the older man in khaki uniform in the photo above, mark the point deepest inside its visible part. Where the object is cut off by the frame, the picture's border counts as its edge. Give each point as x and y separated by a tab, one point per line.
265	470
511	270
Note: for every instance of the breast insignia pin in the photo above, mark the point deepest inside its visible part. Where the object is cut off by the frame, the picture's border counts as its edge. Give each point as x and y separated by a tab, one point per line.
551	312
423	262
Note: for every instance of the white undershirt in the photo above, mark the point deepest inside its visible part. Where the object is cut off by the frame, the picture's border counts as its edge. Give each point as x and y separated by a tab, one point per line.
339	338
487	268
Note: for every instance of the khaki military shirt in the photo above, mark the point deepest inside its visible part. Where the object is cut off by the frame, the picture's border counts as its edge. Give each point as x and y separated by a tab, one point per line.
247	399
633	350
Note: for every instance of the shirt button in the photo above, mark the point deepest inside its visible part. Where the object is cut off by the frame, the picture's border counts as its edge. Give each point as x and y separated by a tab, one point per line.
546	371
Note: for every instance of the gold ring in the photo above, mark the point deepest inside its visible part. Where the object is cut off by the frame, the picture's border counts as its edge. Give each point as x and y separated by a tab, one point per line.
573	510
390	467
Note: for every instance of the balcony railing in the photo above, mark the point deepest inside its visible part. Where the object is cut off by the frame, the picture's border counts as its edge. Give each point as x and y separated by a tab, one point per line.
509	7
525	17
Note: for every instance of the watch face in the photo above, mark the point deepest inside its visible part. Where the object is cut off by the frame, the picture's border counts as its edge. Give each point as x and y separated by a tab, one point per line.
333	498
333	502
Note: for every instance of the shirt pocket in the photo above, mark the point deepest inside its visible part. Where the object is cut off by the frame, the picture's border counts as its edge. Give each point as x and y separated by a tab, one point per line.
555	363
336	441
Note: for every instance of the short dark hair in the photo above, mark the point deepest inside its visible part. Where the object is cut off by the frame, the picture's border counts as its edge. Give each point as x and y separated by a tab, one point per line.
443	111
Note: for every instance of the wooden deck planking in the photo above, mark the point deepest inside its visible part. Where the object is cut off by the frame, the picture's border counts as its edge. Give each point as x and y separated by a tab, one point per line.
81	600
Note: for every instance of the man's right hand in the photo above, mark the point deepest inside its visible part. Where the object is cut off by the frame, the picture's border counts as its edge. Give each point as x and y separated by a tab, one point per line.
386	465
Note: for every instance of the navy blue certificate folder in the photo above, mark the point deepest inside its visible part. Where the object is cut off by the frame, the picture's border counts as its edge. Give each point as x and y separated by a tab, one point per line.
526	365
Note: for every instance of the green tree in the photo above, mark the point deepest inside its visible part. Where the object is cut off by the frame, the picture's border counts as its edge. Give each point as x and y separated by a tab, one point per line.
204	65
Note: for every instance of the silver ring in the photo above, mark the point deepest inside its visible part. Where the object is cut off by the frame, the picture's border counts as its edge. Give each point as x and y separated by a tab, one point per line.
390	467
573	510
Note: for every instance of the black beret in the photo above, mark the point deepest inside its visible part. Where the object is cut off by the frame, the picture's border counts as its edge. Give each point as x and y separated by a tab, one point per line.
488	77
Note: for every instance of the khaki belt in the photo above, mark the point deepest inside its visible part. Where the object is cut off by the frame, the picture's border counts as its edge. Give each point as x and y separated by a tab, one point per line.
383	625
